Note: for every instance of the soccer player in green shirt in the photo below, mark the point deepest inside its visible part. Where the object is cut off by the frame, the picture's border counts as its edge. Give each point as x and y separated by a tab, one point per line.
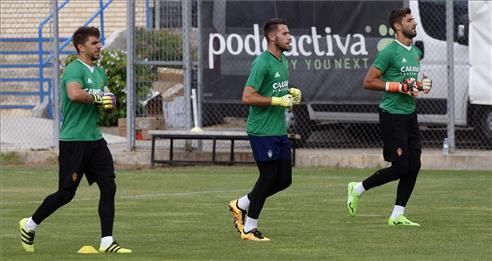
395	71
268	94
84	94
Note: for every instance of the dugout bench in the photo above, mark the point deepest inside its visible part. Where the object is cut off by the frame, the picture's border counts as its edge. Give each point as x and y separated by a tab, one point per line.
232	136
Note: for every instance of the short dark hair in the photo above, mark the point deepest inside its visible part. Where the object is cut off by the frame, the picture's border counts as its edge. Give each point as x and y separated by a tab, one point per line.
81	35
396	16
272	25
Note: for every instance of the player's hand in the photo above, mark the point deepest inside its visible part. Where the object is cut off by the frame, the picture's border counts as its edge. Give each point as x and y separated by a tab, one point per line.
425	83
285	101
106	100
407	86
296	95
411	86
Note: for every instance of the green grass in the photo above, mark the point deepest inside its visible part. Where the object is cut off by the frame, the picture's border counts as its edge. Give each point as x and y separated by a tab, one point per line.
10	157
181	214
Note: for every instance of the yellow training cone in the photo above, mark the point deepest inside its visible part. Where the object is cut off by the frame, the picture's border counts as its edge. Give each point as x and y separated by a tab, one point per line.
87	250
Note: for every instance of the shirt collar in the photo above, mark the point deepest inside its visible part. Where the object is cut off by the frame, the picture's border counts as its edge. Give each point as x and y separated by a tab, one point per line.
91	68
404	46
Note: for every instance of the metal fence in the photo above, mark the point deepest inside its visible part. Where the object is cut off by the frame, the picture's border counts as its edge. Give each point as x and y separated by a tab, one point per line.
25	41
336	112
175	47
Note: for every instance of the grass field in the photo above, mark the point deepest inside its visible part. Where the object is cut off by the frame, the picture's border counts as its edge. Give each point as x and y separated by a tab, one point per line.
181	214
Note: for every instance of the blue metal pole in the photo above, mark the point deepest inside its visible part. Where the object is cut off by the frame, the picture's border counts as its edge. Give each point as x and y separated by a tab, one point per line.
41	64
147	14
101	19
69	40
40	51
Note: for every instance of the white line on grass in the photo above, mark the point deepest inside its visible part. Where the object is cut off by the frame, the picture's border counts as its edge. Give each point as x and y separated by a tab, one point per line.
141	196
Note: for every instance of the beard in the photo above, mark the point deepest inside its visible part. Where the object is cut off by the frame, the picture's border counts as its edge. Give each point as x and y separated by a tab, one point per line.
409	34
95	57
283	48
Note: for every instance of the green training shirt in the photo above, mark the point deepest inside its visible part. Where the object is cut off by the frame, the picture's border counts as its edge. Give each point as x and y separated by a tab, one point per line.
269	76
80	119
397	64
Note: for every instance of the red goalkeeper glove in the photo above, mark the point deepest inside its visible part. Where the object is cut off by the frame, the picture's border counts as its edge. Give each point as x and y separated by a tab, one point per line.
407	86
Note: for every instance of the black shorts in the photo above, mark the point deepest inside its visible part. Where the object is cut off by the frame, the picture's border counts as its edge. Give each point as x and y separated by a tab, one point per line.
268	148
401	133
77	158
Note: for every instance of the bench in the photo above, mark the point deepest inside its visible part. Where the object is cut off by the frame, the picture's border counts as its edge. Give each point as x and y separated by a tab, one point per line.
232	136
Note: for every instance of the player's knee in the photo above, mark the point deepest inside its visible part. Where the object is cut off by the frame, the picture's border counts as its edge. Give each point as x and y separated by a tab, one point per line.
400	168
107	186
285	178
415	163
285	182
65	195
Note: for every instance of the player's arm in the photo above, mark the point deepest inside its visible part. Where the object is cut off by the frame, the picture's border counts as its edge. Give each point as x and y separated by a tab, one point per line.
77	94
373	81
253	98
104	100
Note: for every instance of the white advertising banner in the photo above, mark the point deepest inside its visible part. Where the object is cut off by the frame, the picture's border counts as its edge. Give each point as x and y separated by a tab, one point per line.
480	44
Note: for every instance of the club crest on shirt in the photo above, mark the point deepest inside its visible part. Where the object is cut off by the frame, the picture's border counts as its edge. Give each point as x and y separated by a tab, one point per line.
74	176
270	154
399	151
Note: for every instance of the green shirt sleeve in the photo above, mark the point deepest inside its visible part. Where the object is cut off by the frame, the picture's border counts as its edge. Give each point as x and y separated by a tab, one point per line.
73	74
257	74
383	60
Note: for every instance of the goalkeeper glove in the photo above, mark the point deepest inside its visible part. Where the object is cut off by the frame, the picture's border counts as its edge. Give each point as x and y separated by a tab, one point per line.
425	84
296	95
407	86
284	101
106	100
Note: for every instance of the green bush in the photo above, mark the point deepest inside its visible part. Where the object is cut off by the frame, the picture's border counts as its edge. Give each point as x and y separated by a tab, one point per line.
114	64
153	45
158	45
11	157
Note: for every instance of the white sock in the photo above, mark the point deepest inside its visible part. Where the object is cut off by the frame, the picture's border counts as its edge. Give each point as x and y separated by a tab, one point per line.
359	189
250	224
243	202
397	211
31	225
106	242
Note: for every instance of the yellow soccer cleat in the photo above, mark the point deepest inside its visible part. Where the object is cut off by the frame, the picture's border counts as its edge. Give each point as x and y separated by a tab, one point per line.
27	237
254	235
353	199
238	215
115	248
401	220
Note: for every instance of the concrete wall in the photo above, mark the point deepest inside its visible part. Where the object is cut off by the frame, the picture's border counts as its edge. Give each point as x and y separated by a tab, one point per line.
22	18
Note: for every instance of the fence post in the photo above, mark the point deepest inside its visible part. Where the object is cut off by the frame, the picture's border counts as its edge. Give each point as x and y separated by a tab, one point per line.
186	16
450	65
199	84
157	14
56	76
130	76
